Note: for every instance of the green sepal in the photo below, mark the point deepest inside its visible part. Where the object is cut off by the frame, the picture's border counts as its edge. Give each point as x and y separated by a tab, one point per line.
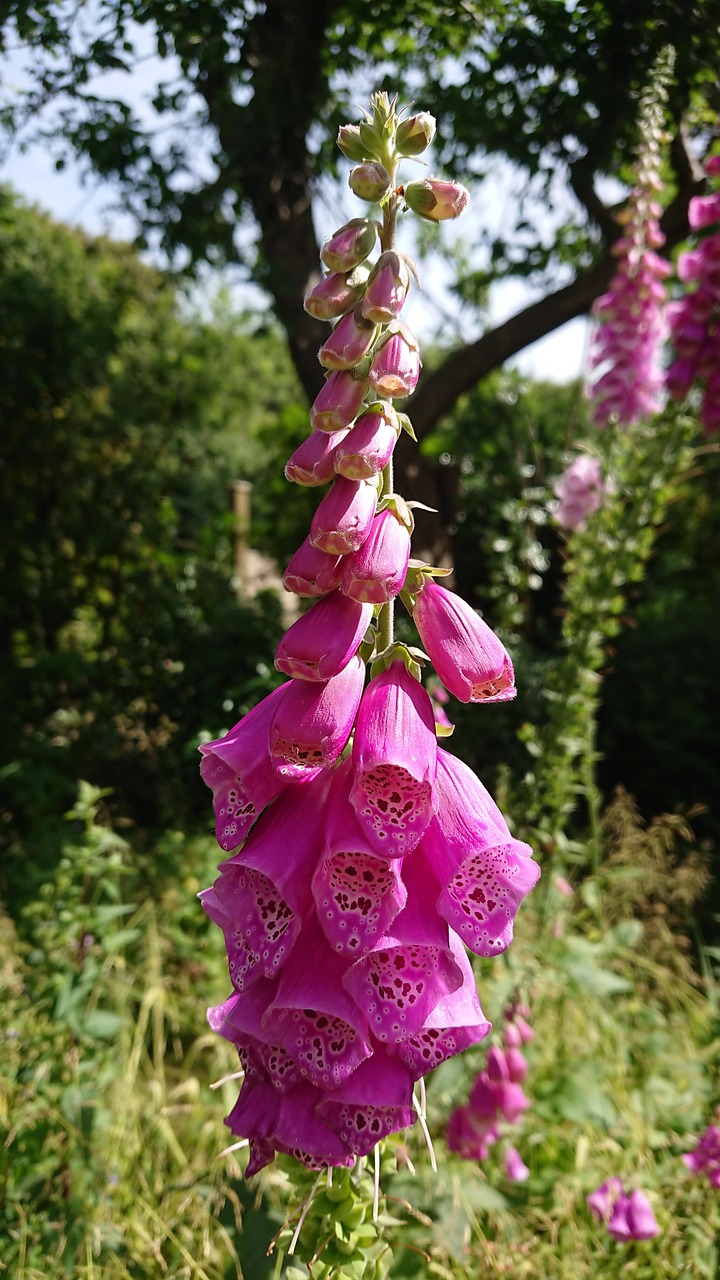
397	651
406	425
399	507
366	648
422	506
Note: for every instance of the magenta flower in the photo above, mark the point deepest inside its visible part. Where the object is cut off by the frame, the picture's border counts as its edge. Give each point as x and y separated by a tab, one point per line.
368	446
632	1218
467	656
350	340
405	974
338	402
238	769
387	288
694	319
394	761
324	639
376	572
354	1111
515	1168
357	894
579	492
313	462
312	572
706	1156
470	1134
312	721
350	245
601	1201
395	366
343	519
456	1023
436	200
335	294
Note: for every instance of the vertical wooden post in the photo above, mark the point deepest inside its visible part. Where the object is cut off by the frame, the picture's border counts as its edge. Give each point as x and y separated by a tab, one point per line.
240	491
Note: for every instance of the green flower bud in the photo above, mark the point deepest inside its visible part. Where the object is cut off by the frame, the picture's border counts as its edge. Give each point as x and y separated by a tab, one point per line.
415	134
348	140
369	181
436	200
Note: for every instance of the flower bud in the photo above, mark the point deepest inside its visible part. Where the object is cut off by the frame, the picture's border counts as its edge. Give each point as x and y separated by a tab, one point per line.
386	289
350	245
703	211
370	444
395	367
349	142
436	200
342	521
313	462
338	402
369	181
323	640
312	572
335	293
376	572
415	134
350	340
467	656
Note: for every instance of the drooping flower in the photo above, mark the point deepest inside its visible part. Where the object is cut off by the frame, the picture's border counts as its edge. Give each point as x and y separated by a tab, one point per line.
324	639
312	721
387	288
394	762
350	340
238	769
335	293
632	1218
601	1200
395	366
435	199
377	571
456	1023
695	318
467	656
579	491
312	572
313	462
515	1168
338	401
342	521
706	1156
470	1134
368	446
350	245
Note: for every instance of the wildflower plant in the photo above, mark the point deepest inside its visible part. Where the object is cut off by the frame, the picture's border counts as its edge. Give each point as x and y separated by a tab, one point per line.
363	857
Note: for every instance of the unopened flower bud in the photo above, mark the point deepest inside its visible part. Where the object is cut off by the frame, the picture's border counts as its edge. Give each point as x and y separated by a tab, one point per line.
348	140
350	340
395	367
369	181
436	200
350	245
313	462
387	288
415	134
376	572
335	293
338	402
370	444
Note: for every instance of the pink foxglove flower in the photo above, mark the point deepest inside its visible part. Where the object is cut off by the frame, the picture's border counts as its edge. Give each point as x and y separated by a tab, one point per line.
706	1156
357	894
470	1134
695	318
343	519
335	294
387	288
435	199
368	446
238	769
600	1202
515	1168
467	656
394	762
395	366
324	639
377	571
313	462
312	572
456	1023
374	1101
350	245
350	340
632	1218
579	492
312	721
338	402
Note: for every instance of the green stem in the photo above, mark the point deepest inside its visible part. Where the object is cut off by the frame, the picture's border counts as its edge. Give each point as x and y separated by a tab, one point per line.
386	618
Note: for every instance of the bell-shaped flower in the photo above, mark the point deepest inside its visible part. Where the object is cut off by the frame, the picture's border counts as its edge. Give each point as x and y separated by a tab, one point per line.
350	245
498	1098
600	1201
342	521
368	446
357	894
405	974
395	366
349	342
335	294
262	897
312	572
470	1134
338	401
323	640
515	1168
239	1020
706	1156
374	1101
394	761
632	1218
435	199
238	769
313	720
387	288
313	462
313	1017
456	1023
300	1131
704	211
467	656
579	491
376	572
